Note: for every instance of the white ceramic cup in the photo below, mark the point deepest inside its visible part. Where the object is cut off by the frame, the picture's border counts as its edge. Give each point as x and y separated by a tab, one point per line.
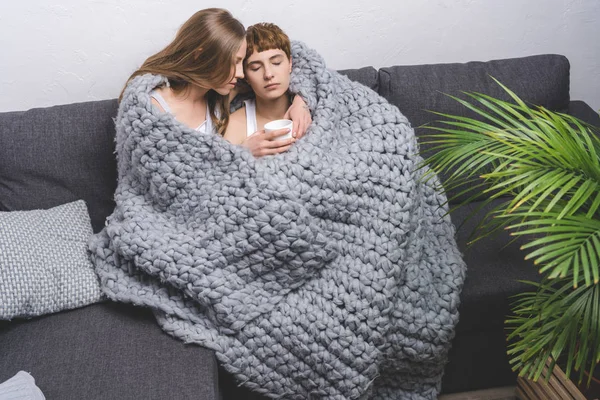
280	124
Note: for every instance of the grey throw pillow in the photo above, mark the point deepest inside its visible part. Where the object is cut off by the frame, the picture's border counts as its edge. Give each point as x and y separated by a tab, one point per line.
44	262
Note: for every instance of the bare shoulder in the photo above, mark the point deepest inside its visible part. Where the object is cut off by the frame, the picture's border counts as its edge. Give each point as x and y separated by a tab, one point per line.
236	130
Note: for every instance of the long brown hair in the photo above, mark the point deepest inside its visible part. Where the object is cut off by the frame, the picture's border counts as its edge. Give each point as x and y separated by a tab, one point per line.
200	54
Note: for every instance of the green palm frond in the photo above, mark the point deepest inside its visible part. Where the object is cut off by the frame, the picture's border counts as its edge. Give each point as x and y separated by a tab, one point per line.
546	167
558	322
536	157
568	245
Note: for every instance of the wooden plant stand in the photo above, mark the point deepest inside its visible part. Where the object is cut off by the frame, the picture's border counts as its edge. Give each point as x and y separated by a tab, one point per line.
559	387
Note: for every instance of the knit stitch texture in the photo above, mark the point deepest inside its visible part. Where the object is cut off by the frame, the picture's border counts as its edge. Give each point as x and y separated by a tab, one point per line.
44	262
328	271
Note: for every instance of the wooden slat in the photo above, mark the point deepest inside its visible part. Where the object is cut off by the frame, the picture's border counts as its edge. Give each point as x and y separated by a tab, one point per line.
528	389
558	387
546	391
568	384
550	391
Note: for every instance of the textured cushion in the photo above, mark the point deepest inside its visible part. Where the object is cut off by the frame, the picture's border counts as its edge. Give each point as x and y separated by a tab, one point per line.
44	263
20	387
106	351
368	76
51	156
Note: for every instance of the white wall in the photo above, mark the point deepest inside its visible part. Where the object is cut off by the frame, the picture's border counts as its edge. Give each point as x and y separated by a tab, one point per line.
63	51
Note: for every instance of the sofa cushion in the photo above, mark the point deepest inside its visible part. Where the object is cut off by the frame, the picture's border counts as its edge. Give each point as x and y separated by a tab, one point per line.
368	76
44	262
55	155
581	110
106	351
495	264
540	80
478	360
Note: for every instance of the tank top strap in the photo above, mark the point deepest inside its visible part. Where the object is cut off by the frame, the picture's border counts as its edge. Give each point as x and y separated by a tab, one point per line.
204	127
251	124
207	125
161	100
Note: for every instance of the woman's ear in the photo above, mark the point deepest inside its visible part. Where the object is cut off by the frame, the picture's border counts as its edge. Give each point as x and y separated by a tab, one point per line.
290	64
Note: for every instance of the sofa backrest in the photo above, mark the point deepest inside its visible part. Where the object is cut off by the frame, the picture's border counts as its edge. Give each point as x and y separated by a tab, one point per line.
541	80
50	156
368	76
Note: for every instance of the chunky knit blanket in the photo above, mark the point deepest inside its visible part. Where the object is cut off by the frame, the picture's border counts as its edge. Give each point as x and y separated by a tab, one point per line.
330	271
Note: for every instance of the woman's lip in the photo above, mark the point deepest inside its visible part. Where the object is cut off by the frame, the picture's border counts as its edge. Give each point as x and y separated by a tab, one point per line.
272	85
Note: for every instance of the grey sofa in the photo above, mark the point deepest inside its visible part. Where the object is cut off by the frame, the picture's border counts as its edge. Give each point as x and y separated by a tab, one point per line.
50	156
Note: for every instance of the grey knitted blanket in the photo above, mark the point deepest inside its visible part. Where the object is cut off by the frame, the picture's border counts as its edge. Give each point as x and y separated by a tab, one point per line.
329	271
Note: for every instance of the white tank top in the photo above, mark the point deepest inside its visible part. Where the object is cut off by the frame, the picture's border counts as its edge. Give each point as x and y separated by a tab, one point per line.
251	124
204	127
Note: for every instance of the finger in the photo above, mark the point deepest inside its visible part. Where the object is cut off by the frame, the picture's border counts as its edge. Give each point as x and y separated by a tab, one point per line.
295	129
299	132
301	129
306	124
275	134
277	150
288	115
257	133
271	144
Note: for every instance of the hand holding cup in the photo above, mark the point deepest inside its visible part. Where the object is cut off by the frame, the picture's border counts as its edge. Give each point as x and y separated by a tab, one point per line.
275	138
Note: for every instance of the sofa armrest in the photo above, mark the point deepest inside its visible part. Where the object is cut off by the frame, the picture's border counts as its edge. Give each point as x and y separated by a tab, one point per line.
581	110
106	351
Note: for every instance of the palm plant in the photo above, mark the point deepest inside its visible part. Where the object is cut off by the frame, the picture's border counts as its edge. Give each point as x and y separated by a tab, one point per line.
546	165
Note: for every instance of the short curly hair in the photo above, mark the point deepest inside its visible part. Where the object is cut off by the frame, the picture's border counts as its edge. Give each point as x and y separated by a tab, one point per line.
266	36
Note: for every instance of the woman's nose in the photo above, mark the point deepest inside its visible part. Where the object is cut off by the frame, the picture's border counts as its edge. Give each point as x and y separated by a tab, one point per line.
239	72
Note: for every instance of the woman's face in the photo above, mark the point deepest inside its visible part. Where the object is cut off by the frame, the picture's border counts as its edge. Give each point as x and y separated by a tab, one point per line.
268	73
238	71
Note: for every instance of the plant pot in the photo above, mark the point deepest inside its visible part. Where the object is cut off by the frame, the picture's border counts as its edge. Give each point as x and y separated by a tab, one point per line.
557	387
591	392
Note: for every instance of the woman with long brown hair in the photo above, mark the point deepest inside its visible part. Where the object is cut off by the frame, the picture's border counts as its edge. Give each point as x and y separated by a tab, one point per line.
201	66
